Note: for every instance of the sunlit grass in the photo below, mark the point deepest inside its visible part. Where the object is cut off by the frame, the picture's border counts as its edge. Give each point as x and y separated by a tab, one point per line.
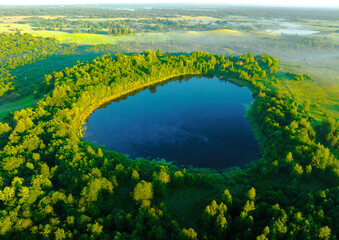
93	39
6	108
323	90
195	18
12	27
226	31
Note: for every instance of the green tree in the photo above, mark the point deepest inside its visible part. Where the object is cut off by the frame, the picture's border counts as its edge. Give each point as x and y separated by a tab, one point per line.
188	234
325	233
143	193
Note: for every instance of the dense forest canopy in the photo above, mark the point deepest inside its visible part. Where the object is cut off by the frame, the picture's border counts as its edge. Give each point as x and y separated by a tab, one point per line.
54	185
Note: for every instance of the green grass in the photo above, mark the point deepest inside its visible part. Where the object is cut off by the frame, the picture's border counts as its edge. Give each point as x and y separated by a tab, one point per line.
11	27
6	108
323	90
93	39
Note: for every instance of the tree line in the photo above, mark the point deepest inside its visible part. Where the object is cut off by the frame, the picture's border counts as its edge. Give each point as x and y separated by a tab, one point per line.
122	27
109	11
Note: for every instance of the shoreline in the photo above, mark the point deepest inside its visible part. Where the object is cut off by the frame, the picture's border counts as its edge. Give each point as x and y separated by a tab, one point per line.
103	101
100	102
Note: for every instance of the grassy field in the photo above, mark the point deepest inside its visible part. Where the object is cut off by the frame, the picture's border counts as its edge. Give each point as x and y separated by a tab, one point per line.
7	107
13	19
93	39
85	38
323	90
11	27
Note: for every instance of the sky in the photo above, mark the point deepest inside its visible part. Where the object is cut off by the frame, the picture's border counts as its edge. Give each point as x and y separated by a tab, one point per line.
286	3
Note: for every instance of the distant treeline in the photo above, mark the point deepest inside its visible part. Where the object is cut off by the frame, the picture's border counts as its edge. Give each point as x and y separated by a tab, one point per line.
299	42
293	14
123	27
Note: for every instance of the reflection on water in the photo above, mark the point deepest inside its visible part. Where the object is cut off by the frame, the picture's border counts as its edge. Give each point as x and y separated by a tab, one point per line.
199	122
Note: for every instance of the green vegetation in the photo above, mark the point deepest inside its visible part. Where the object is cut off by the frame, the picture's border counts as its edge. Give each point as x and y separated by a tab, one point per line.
121	27
298	77
18	50
7	108
54	185
170	12
25	60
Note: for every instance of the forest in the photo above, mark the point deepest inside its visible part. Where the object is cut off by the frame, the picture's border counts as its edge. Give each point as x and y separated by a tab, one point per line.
169	11
55	185
121	27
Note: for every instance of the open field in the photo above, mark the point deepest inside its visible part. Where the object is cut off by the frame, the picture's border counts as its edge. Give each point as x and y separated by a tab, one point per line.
93	39
8	107
323	90
14	19
193	18
12	27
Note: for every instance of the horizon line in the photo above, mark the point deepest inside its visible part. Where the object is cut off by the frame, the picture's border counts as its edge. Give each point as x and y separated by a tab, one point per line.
177	4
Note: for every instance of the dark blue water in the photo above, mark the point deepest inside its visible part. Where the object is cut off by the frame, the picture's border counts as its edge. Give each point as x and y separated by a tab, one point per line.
198	122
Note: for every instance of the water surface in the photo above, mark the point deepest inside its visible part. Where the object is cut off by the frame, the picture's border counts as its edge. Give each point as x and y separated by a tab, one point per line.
198	122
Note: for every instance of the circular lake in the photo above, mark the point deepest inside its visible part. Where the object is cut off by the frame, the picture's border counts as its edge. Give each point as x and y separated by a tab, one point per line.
198	121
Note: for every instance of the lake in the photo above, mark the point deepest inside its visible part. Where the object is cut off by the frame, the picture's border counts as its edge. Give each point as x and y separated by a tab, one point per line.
198	121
